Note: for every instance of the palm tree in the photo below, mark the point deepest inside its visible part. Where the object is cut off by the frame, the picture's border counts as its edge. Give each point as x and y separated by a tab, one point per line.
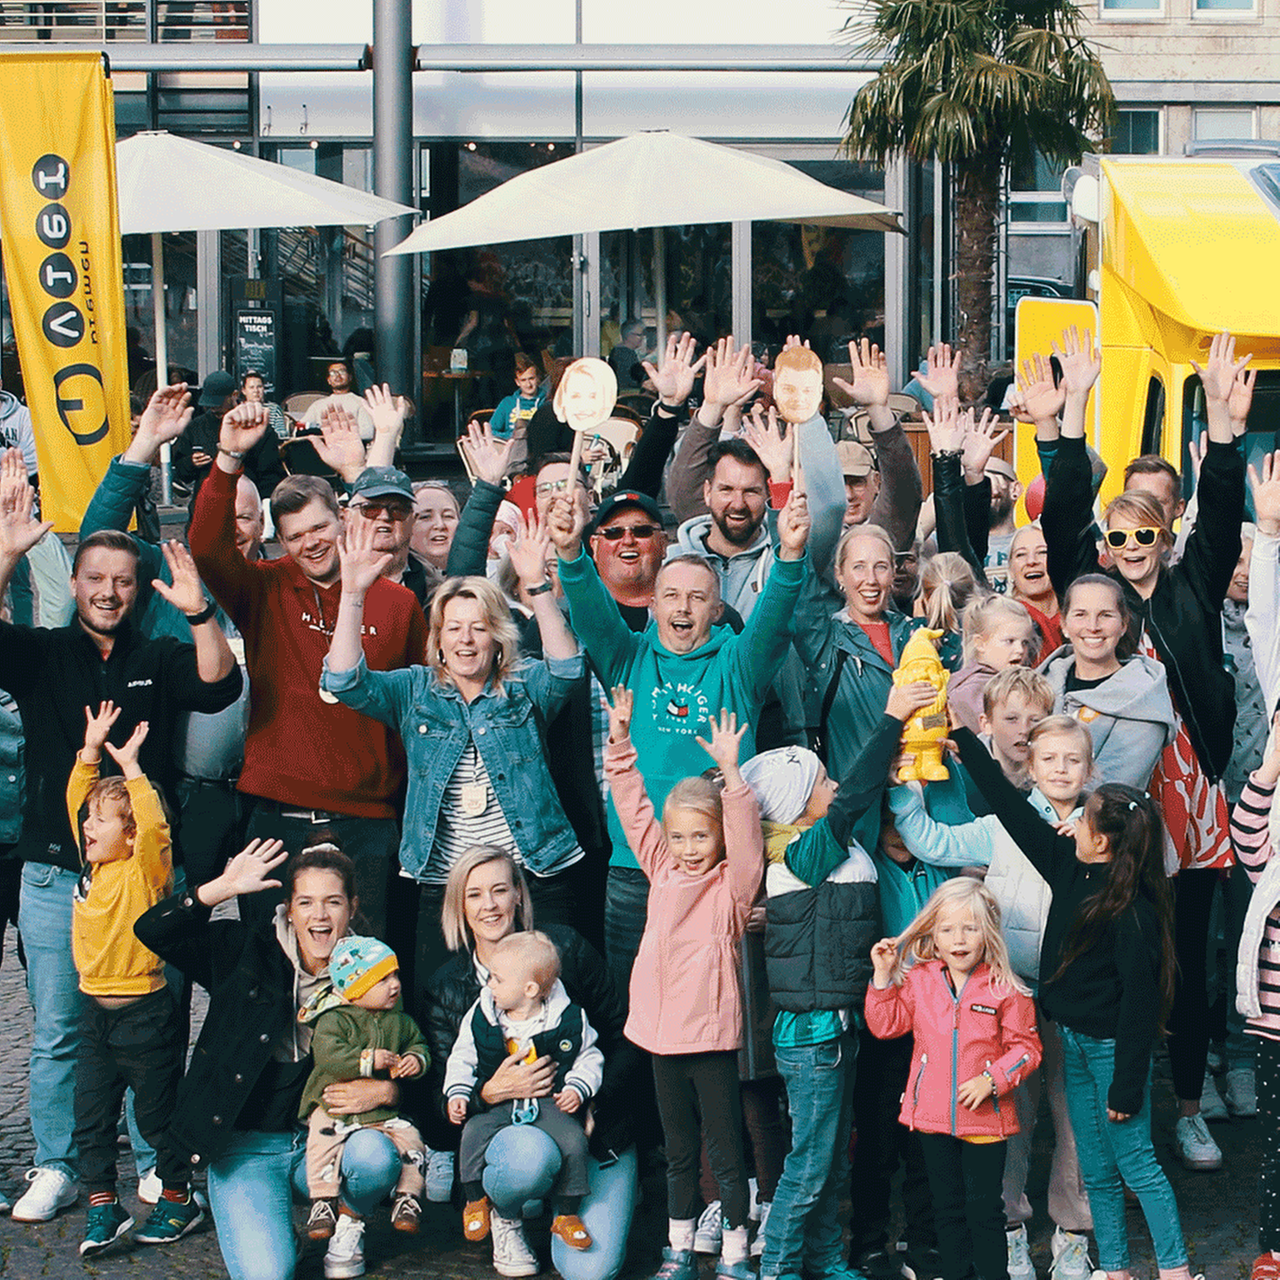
977	84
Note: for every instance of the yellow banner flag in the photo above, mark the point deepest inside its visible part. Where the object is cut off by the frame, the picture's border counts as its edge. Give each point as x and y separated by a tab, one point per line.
60	228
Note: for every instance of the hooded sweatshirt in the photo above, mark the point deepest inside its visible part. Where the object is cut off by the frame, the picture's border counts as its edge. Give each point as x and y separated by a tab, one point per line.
1129	715
17	430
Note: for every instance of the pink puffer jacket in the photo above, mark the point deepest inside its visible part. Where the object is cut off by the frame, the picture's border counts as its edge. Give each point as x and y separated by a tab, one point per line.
957	1037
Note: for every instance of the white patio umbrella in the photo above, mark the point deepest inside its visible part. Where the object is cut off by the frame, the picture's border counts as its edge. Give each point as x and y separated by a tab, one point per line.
168	183
656	179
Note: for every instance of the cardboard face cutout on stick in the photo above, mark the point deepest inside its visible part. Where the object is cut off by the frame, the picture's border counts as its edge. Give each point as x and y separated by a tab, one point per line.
584	400
797	384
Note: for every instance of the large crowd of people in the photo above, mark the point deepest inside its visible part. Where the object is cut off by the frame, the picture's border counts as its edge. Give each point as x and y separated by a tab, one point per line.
526	842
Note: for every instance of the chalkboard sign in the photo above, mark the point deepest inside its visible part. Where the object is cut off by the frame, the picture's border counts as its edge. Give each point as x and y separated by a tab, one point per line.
256	331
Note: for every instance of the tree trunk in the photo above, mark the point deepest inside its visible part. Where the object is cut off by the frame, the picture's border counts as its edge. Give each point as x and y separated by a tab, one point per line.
977	206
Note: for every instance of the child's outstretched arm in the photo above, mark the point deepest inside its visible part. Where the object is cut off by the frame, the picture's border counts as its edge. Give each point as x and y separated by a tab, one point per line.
635	810
743	838
84	773
890	1008
127	756
1250	817
726	740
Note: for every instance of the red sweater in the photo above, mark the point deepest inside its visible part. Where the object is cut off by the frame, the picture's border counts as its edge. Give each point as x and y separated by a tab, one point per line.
301	750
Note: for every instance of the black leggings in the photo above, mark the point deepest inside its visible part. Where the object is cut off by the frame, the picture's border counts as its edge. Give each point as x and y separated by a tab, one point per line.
1189	1017
967	1181
1268	1073
698	1098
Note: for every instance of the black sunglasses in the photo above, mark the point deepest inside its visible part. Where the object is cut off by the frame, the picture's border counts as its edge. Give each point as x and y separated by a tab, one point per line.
616	532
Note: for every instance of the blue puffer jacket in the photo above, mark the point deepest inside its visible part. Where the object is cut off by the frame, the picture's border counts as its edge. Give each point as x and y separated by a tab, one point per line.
436	725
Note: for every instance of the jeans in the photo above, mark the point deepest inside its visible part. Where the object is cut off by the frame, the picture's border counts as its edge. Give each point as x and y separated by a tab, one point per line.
1115	1154
626	908
804	1223
523	1163
44	920
252	1186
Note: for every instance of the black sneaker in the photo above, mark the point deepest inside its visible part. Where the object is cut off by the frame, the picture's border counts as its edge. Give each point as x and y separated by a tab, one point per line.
883	1263
170	1220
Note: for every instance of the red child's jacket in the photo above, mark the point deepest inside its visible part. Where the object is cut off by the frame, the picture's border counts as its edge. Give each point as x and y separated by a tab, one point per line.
957	1037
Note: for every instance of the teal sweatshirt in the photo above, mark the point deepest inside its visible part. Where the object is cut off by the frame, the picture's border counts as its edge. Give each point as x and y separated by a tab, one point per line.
677	694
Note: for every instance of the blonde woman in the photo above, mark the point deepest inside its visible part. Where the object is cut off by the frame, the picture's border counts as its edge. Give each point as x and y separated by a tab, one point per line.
471	723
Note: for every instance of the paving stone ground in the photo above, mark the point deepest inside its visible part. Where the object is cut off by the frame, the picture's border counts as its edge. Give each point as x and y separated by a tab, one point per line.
1219	1210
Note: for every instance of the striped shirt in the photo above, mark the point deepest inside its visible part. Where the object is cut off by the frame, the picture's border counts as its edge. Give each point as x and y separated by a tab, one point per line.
1254	849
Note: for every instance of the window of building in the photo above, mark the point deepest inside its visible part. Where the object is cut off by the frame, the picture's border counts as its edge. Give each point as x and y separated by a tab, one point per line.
1121	8
1225	6
1035	194
1137	132
1213	123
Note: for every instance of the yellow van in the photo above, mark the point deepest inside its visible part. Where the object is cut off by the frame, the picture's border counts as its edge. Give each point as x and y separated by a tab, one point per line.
1176	251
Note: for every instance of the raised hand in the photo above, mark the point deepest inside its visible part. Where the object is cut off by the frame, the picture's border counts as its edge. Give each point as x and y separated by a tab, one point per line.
565	522
1080	360
725	744
674	379
729	378
870	385
339	445
96	730
980	440
243	427
771	440
620	710
529	549
387	411
1240	401
946	425
941	377
361	565
884	955
19	529
187	592
1266	494
127	756
166	416
250	870
487	455
1039	399
1219	374
793	526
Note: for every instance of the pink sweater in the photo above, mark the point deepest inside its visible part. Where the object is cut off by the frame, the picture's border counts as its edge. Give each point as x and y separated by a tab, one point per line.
685	996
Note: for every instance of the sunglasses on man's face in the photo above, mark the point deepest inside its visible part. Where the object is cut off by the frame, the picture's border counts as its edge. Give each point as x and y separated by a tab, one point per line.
616	532
372	510
1144	537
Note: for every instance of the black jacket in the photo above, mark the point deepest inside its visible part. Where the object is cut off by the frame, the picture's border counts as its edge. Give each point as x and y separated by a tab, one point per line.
250	982
454	988
261	464
54	674
1183	617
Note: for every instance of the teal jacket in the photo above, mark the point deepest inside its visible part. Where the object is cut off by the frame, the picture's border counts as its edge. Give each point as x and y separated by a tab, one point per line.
677	694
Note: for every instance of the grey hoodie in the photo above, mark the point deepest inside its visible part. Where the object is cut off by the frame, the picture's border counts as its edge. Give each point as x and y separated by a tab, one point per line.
297	1044
17	430
1129	715
741	575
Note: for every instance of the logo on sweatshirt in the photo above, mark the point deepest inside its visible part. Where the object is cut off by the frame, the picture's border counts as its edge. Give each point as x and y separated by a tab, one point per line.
679	708
983	1008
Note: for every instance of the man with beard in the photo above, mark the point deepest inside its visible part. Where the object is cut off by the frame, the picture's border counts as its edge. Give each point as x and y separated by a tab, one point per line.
55	676
341	396
1005	492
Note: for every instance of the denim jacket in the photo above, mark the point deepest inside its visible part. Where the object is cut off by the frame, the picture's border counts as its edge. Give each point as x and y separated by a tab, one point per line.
436	725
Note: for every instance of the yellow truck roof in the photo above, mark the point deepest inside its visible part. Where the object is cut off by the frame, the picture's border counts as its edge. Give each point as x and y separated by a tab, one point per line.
1204	249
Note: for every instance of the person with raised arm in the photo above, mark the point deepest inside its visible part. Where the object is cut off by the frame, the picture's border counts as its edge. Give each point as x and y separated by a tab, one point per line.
1176	616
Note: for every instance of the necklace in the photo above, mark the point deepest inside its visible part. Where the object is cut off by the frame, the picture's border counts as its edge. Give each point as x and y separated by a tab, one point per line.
327	631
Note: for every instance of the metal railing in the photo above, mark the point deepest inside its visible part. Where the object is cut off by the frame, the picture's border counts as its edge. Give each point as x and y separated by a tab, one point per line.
109	21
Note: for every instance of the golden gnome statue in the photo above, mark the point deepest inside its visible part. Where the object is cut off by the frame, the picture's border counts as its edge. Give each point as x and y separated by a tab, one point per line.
924	734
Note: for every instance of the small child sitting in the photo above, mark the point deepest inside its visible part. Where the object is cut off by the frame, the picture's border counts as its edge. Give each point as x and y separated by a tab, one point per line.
360	1030
522	1014
131	1032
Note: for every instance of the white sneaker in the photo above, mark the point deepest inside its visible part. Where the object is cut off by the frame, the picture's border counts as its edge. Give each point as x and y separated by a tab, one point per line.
1242	1092
1070	1256
1212	1107
757	1245
1019	1246
150	1187
1196	1149
511	1253
439	1175
344	1257
50	1190
706	1236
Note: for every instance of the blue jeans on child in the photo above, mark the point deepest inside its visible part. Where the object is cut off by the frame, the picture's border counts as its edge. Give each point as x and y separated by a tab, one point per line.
522	1164
252	1187
1113	1154
804	1222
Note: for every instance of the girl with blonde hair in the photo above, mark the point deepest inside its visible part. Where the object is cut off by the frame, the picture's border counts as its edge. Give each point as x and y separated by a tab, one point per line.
998	633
